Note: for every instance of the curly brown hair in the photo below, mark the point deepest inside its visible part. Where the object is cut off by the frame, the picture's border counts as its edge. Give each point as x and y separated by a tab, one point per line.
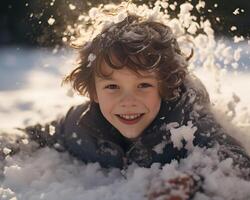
138	45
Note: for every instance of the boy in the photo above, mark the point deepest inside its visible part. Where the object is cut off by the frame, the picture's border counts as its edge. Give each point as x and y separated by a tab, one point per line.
137	80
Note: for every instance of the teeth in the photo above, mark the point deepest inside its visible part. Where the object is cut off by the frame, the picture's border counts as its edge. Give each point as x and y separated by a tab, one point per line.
130	116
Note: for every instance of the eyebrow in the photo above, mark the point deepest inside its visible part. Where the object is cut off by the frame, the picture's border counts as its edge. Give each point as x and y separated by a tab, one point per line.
148	76
104	79
112	79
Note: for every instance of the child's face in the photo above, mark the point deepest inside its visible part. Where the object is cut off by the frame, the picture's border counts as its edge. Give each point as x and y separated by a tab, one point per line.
128	101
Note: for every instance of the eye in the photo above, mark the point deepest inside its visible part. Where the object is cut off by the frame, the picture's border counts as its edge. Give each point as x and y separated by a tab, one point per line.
111	86
145	85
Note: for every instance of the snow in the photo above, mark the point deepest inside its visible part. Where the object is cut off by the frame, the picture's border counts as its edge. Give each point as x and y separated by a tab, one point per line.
6	150
237	54
236	11
233	28
200	5
52	2
30	92
91	58
172	6
185	16
51	21
185	133
160	147
72	7
238	39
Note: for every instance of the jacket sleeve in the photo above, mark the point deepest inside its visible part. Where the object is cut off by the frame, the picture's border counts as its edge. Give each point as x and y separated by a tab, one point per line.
30	138
53	134
210	133
47	134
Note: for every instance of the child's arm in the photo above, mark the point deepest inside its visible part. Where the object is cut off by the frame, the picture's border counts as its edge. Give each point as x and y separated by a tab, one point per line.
46	135
31	137
53	134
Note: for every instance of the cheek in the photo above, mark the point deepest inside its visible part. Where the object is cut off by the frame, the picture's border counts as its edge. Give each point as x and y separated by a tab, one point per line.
153	100
106	105
153	104
154	107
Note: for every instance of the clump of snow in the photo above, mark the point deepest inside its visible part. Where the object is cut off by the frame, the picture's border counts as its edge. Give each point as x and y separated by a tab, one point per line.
200	5
172	6
237	54
52	130
6	150
236	11
185	16
51	21
64	39
233	28
72	7
52	2
74	135
160	147
91	58
186	133
238	39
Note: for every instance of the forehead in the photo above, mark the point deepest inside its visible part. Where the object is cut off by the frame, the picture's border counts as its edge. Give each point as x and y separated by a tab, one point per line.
109	73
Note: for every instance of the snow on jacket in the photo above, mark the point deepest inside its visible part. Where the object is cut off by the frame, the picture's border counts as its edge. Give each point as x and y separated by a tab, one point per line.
179	125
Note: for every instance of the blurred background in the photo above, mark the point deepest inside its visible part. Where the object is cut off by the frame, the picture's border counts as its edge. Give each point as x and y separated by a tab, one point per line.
26	22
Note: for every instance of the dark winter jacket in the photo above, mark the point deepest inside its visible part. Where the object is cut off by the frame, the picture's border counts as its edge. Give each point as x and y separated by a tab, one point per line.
87	135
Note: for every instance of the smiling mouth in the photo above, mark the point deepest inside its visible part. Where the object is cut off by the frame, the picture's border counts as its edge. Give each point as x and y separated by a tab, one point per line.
129	118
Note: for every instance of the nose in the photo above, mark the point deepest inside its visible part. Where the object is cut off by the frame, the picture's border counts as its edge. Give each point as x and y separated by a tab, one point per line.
128	100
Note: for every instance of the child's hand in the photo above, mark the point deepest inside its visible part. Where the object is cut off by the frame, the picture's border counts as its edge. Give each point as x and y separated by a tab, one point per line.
182	187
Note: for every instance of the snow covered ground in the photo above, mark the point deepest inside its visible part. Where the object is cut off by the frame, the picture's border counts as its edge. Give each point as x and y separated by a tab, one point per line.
30	92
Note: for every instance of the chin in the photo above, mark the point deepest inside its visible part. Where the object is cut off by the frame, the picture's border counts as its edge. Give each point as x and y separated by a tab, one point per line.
130	136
